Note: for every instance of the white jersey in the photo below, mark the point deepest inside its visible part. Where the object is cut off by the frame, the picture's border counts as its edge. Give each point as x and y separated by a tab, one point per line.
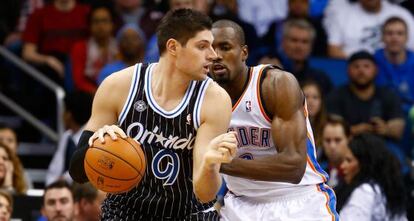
253	128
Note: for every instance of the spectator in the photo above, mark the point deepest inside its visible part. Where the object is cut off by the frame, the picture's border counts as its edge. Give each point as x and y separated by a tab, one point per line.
396	62
131	43
366	107
50	34
335	138
9	137
373	188
89	56
88	202
297	39
357	26
58	201
298	9
6	205
316	109
11	171
78	109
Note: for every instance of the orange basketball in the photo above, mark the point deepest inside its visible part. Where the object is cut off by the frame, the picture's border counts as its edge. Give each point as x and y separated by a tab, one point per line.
115	166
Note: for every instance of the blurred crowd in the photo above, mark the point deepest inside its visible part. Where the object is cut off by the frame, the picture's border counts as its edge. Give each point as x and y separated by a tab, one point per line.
363	126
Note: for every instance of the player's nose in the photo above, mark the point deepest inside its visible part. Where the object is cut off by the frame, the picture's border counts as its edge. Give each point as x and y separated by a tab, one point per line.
211	55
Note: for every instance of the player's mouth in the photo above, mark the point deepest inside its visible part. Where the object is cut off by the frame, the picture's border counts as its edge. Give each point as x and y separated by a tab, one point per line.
219	69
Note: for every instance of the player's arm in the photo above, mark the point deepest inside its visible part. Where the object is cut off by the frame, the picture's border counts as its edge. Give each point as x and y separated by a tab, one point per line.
213	145
284	100
104	112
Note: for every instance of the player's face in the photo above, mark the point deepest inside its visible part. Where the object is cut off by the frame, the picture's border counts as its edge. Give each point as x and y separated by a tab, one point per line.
334	142
349	166
5	209
362	72
231	55
9	138
313	99
58	205
297	44
196	55
395	37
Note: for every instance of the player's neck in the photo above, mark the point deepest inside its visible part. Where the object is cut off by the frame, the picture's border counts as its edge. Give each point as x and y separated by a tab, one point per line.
168	85
236	87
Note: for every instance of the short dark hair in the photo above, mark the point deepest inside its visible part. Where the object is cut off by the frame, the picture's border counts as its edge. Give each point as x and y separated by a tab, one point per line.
392	20
334	119
361	55
224	23
80	105
181	25
58	184
84	191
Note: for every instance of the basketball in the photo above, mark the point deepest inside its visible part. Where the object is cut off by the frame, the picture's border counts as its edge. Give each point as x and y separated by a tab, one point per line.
115	166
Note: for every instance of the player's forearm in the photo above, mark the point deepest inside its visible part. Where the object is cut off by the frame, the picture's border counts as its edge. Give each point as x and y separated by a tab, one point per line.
76	168
276	168
207	183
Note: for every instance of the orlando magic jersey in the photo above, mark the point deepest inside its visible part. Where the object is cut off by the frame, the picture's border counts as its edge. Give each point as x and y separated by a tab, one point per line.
167	138
253	133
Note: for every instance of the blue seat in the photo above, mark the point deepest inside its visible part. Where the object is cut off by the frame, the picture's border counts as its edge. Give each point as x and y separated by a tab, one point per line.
336	69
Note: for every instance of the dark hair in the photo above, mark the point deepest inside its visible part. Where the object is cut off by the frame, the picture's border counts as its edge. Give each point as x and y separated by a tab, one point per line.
361	55
224	23
84	191
58	184
394	19
377	165
181	25
96	7
334	119
19	181
80	105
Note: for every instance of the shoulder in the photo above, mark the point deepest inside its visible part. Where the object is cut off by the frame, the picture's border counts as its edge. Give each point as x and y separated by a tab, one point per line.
118	81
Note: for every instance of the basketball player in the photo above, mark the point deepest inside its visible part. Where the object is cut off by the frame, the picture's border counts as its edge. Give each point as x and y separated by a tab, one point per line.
275	175
178	115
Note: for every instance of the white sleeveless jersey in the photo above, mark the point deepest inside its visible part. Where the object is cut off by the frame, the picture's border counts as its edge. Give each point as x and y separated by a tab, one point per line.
253	128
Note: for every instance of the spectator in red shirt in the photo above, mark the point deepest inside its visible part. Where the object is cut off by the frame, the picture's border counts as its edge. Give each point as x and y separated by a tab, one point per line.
89	56
50	34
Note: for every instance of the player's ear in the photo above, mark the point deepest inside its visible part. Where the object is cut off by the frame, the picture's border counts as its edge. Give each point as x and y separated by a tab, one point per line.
172	46
245	52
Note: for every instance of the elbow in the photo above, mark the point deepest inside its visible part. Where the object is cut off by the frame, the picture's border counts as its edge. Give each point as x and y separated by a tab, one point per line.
298	171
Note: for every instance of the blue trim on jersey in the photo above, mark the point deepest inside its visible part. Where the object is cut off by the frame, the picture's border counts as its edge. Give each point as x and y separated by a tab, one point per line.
199	102
177	110
131	94
331	199
312	157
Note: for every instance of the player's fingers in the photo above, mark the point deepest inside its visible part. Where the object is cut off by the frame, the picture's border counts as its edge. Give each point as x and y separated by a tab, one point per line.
226	156
119	131
230	146
101	134
92	138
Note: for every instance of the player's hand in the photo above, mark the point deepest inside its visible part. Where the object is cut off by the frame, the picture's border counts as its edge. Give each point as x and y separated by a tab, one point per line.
222	149
110	130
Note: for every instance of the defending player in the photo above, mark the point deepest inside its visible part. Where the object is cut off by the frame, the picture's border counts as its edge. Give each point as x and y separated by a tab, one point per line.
275	175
